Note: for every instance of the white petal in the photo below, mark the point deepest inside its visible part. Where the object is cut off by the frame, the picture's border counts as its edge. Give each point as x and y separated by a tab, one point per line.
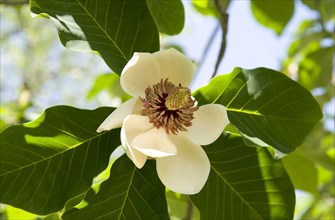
141	71
154	143
115	119
134	125
187	171
175	66
208	124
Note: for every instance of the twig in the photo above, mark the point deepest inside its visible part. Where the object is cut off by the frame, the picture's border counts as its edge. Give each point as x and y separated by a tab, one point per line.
206	50
224	26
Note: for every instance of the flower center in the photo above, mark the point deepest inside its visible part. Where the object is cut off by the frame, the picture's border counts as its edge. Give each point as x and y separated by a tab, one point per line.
169	106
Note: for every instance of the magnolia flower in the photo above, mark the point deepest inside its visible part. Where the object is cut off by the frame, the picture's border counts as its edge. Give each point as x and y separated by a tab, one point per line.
163	121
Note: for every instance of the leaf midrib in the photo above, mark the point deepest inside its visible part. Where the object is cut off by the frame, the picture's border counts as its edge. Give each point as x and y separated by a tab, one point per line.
54	155
266	116
127	193
233	190
103	30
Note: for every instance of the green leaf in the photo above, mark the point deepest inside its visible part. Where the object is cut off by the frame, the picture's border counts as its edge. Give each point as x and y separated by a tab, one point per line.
302	171
316	68
113	29
325	8
46	162
129	193
207	7
109	82
15	213
244	183
273	14
179	206
265	104
168	15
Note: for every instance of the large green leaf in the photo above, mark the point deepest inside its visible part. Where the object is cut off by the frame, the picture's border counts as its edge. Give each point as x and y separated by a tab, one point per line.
46	162
244	183
169	15
265	104
273	14
129	193
114	29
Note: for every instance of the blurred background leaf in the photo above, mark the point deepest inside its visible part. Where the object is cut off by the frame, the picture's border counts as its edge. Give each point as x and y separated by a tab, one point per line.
168	15
273	14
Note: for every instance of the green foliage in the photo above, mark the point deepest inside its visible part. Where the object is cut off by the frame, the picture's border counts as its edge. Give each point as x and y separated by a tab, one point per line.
207	7
296	165
57	163
168	15
325	7
315	69
265	104
129	193
244	183
109	82
273	14
48	161
113	29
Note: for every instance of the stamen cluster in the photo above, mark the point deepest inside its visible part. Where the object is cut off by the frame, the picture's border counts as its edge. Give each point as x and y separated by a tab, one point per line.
169	106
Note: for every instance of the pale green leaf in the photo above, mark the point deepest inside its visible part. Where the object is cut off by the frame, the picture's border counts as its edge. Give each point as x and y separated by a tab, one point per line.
113	29
129	193
54	158
108	82
207	7
273	14
265	104
302	171
316	68
168	15
244	183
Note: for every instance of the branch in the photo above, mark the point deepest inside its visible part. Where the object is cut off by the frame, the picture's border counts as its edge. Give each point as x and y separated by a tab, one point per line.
224	26
206	50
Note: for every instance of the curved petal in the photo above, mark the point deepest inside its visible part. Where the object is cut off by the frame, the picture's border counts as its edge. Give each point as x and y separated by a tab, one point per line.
115	119
175	66
208	124
187	171
140	72
134	125
154	143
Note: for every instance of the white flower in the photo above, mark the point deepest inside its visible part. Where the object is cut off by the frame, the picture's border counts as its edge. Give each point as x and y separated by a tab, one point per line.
162	121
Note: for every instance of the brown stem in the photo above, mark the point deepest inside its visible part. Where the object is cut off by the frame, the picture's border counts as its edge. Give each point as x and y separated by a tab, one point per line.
224	26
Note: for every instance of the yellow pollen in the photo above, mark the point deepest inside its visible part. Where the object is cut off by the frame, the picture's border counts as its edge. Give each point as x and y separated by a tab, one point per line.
179	98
